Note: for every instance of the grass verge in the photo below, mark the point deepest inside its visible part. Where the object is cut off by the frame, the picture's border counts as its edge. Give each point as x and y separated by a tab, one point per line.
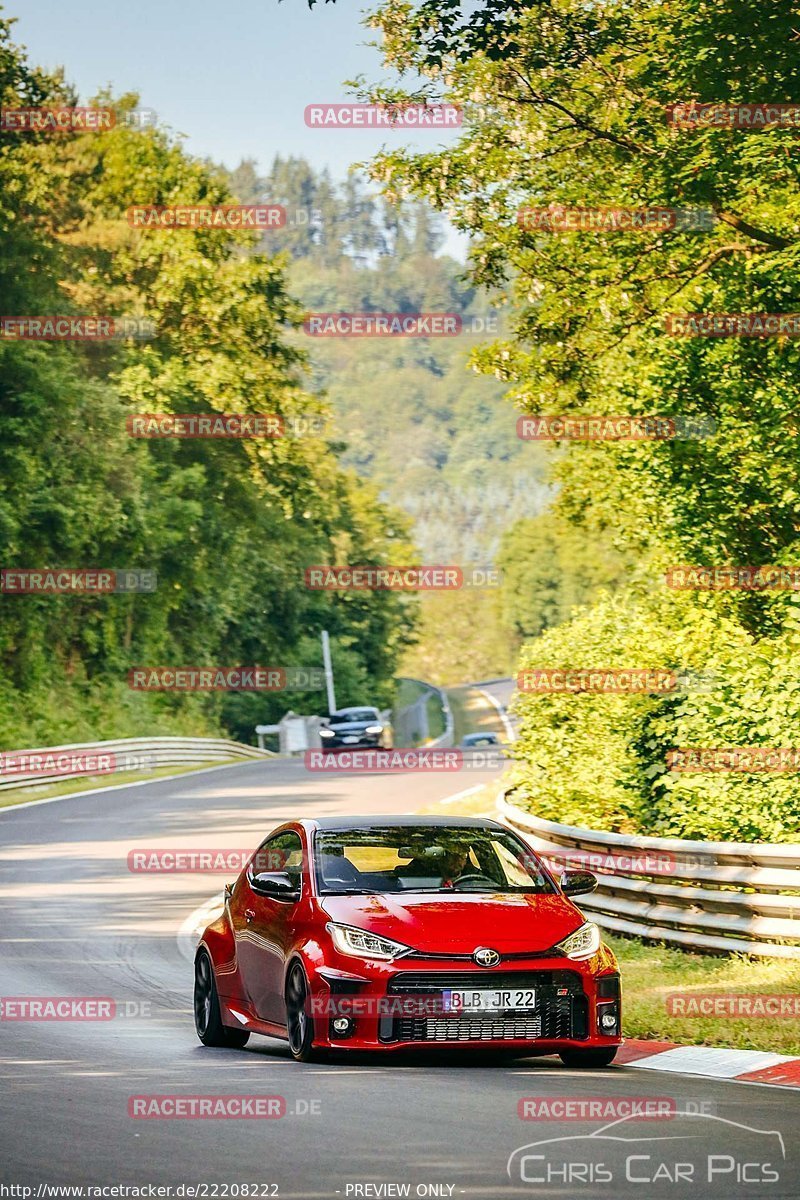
650	973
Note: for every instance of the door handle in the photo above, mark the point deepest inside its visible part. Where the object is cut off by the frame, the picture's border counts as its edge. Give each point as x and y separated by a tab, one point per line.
249	913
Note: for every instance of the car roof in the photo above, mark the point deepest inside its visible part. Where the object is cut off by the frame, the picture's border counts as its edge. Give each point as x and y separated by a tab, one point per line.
357	708
380	820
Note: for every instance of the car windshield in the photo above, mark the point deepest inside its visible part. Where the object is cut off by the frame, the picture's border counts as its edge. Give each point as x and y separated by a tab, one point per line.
425	858
355	714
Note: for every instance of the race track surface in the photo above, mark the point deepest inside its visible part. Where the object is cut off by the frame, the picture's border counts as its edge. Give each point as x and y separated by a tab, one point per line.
77	922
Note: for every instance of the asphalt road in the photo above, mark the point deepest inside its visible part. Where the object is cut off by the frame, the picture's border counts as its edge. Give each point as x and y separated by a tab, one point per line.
501	689
75	921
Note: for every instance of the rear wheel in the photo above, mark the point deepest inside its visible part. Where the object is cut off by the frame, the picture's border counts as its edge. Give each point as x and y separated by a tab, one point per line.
207	1018
299	1023
589	1058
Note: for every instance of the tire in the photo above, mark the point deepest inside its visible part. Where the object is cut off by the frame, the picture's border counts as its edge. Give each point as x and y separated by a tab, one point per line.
589	1058
299	1023
207	1019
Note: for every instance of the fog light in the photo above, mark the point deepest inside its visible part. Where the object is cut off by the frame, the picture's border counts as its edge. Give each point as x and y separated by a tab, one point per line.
342	1025
608	1021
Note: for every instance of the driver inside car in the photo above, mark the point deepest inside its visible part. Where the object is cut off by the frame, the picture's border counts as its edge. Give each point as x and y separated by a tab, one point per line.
437	866
455	865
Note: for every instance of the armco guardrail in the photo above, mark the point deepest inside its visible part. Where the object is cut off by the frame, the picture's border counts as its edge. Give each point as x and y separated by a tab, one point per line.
446	738
738	897
415	716
53	764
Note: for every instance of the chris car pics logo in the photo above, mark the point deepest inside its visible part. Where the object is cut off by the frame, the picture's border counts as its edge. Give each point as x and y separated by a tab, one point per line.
703	1154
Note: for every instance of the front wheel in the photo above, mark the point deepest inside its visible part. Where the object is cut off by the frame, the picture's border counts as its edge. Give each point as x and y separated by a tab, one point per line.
207	1018
299	1023
589	1058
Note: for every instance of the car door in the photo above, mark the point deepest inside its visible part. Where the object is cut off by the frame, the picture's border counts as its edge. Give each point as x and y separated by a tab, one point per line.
263	927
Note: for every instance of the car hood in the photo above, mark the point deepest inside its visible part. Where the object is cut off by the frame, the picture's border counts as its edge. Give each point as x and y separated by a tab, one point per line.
458	923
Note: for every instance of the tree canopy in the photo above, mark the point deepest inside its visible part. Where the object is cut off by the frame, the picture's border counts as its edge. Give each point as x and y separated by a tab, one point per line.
568	106
227	526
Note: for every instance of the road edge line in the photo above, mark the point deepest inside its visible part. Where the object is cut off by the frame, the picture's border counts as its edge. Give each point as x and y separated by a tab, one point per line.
117	787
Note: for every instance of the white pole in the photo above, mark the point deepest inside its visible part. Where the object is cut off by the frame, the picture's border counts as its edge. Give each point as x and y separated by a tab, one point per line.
326	658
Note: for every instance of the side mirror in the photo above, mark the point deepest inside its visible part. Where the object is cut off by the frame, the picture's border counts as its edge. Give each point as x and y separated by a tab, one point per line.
278	884
577	883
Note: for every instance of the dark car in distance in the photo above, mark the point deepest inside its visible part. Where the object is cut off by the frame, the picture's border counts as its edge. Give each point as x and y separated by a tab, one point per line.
472	741
352	728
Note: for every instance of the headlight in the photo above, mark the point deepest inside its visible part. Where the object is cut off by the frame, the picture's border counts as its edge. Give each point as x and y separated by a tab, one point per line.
583	943
374	729
363	944
327	733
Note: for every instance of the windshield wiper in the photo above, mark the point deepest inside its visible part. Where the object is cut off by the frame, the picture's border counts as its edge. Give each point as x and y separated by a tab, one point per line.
353	892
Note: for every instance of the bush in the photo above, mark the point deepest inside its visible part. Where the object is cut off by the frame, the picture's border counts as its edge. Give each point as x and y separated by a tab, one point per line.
600	760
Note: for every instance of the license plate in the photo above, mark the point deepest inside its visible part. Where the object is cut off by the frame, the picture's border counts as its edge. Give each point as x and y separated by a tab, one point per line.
350	741
470	1000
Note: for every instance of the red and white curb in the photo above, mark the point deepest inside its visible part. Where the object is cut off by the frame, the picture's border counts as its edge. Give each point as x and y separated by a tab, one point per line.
718	1062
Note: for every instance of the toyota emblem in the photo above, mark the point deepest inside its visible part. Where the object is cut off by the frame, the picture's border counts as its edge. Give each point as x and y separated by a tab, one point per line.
485	957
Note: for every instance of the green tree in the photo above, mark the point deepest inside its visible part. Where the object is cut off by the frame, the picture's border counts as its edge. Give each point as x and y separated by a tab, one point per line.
550	567
566	104
227	526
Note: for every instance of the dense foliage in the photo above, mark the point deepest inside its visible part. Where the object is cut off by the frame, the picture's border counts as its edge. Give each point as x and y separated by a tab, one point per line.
227	526
566	104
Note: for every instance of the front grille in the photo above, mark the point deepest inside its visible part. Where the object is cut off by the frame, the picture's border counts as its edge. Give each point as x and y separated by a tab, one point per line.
435	981
562	1012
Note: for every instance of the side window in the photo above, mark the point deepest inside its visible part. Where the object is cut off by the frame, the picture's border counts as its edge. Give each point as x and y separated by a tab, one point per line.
284	852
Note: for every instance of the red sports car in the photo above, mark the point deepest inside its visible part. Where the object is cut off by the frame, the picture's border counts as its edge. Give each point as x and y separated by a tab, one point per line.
392	933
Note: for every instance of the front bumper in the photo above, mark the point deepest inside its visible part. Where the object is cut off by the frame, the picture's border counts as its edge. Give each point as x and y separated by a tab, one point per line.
364	741
394	1006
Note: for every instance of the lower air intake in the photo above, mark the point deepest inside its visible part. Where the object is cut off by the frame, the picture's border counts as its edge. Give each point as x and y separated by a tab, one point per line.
468	1029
